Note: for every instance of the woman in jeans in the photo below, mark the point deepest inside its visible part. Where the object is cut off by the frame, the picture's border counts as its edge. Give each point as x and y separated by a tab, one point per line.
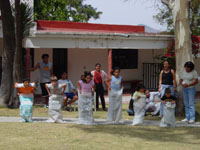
188	80
167	80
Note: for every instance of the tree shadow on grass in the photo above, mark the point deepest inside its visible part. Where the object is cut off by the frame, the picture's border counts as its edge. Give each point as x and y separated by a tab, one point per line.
151	134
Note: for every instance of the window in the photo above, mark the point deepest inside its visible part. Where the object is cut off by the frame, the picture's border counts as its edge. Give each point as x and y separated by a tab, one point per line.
125	58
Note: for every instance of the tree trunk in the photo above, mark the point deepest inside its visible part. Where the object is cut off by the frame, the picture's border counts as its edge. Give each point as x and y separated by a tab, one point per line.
7	84
183	45
18	66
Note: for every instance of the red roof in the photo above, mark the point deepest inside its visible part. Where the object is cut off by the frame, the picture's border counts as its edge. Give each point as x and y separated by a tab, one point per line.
64	26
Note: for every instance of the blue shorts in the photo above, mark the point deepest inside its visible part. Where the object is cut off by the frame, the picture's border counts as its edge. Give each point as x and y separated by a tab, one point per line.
70	95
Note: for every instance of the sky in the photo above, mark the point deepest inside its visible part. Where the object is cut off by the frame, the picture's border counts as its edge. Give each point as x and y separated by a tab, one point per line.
128	12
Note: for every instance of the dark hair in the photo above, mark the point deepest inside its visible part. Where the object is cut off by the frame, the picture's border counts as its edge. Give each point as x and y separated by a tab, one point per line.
167	62
82	76
26	79
167	90
45	55
140	86
62	73
116	68
190	65
97	64
87	73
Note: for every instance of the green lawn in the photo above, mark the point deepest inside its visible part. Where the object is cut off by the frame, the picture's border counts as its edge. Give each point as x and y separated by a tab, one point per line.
43	112
45	136
49	136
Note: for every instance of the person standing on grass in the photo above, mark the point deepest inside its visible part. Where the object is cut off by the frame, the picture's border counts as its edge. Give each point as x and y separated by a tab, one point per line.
70	91
25	91
167	80
55	92
86	89
46	71
115	97
188	80
99	77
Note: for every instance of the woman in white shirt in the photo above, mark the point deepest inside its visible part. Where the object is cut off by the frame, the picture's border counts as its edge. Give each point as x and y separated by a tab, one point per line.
188	80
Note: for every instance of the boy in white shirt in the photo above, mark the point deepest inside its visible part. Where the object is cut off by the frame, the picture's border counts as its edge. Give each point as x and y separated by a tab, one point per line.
70	91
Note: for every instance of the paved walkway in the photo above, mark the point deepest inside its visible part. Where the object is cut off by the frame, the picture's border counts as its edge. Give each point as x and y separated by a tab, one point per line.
98	121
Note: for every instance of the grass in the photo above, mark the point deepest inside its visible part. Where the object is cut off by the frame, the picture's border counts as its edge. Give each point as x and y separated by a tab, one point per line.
45	136
43	112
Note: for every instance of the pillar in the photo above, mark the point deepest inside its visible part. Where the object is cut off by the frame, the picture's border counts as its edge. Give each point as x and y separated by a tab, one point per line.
109	61
28	63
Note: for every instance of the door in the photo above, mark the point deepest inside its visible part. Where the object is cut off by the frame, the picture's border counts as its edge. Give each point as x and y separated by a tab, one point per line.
151	73
59	61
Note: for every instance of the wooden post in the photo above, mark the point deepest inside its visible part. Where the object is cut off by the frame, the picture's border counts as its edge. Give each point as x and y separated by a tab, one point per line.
28	63
109	61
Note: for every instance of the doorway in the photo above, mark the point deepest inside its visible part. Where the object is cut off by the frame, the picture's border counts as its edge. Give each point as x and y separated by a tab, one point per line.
59	61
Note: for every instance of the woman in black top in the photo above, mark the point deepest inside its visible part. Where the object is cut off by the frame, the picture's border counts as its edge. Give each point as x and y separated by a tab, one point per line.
167	80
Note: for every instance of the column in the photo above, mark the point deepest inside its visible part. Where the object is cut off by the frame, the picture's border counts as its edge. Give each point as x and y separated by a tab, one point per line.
28	63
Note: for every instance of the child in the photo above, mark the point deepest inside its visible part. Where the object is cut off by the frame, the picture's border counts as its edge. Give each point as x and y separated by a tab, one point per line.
139	105
25	92
169	102
56	92
130	110
86	88
70	91
115	97
152	105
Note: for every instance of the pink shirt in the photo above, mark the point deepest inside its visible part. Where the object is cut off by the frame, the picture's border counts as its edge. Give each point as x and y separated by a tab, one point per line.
86	87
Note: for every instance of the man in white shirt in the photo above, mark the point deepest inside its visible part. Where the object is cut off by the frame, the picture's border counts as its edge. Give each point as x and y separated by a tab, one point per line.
70	91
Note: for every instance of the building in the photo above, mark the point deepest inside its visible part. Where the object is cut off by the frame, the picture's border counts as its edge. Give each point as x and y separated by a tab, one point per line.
77	47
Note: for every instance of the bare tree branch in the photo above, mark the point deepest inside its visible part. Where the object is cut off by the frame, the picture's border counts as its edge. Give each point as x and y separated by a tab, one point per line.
166	2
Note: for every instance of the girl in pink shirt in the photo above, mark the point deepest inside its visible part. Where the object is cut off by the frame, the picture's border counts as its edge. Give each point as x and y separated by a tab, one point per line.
86	88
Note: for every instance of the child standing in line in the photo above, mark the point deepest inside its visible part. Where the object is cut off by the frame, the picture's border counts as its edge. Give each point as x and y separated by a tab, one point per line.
139	105
56	92
115	97
25	91
169	101
86	88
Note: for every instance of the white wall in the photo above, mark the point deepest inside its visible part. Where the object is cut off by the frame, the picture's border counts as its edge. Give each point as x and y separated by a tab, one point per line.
80	60
144	56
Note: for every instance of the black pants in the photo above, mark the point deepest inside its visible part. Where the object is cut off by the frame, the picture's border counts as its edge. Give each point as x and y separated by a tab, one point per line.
100	93
44	92
43	88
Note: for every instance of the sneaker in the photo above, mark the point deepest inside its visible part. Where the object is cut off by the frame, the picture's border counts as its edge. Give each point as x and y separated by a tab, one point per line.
185	120
191	122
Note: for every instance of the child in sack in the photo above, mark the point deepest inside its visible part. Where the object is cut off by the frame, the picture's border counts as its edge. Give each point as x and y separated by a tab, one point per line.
139	105
115	97
169	101
86	89
25	91
56	92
